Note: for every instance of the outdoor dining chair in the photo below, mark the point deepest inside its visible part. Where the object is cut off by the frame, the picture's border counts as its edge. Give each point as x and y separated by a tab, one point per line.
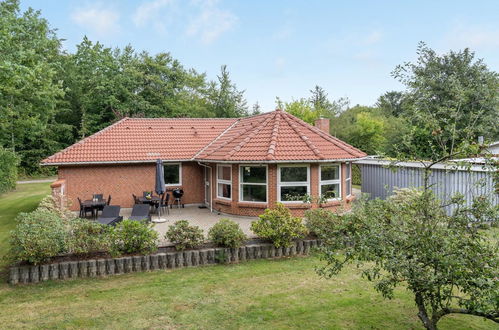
110	215
84	209
135	199
101	207
140	212
98	197
164	202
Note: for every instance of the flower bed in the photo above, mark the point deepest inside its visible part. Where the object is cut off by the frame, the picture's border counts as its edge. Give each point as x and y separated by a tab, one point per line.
139	263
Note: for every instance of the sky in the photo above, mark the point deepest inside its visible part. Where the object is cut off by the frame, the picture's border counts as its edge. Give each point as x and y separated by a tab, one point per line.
283	48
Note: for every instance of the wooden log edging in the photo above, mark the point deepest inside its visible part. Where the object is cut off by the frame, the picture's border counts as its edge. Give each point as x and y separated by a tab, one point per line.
158	261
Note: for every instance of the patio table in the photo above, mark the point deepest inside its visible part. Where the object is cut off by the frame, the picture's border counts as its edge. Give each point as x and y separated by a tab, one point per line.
94	205
153	201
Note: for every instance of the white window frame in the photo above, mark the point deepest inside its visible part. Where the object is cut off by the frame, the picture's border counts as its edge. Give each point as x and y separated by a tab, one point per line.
292	184
348	178
228	182
326	182
179	174
241	183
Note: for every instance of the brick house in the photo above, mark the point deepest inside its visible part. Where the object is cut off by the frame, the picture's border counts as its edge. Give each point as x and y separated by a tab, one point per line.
237	166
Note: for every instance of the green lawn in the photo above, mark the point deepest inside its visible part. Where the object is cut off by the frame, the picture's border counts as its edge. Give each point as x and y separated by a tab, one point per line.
24	199
259	294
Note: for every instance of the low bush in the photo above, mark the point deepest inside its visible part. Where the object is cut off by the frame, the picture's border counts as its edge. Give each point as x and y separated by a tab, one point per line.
322	223
184	236
49	204
226	233
131	236
87	236
8	170
279	226
38	236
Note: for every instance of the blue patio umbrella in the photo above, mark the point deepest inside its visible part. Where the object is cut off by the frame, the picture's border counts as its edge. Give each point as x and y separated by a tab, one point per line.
160	180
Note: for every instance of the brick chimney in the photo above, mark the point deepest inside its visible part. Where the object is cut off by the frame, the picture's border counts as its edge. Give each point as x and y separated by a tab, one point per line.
322	124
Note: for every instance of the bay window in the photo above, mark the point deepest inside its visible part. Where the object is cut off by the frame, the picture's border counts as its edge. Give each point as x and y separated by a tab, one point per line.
293	183
253	183
172	174
224	181
330	181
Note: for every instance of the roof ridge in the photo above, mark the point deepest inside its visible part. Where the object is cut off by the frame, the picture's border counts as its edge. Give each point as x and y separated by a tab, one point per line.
244	131
248	138
273	138
304	137
182	118
345	146
215	139
84	140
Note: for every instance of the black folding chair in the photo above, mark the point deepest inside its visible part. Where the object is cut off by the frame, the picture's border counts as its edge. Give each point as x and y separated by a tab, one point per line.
110	215
140	212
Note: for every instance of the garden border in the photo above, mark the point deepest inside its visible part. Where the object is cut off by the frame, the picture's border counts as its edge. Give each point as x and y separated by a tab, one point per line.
158	261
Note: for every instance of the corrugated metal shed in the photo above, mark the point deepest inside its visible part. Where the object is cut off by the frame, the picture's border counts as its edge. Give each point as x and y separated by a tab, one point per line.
379	179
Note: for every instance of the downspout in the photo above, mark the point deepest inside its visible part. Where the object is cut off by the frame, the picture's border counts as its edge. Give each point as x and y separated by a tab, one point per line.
211	184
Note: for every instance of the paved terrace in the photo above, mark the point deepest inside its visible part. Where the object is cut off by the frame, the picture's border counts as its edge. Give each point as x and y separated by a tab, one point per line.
196	216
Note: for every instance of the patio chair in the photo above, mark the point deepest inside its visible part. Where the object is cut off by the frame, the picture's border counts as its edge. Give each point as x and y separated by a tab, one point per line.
84	209
110	215
101	207
164	202
99	197
140	212
135	199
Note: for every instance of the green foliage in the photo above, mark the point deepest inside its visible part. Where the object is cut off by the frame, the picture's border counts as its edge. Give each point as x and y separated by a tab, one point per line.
38	236
49	204
184	236
226	233
87	236
130	236
8	170
226	100
323	223
448	265
356	175
279	226
454	98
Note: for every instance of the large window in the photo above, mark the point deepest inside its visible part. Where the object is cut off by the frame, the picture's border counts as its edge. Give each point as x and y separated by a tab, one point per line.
172	174
293	183
348	179
224	181
330	181
253	183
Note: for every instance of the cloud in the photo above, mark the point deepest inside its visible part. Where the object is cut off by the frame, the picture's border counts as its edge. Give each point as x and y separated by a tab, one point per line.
373	37
210	22
474	36
98	19
149	12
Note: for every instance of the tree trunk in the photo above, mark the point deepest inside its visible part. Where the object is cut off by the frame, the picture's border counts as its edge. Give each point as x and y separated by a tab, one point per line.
423	315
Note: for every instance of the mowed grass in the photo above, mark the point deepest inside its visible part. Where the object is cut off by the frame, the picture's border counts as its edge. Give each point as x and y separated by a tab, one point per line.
24	198
261	294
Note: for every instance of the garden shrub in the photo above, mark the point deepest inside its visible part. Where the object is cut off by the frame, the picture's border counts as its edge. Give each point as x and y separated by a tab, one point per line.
8	170
130	236
184	236
322	223
49	204
279	226
38	236
226	233
87	236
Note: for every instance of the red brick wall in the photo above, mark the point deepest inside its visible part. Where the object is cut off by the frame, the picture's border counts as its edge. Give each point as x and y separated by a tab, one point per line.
255	209
121	181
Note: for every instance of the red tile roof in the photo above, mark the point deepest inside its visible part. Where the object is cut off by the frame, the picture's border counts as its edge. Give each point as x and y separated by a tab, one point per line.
270	137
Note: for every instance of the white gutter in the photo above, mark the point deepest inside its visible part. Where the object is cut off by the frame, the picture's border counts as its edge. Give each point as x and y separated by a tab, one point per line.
211	185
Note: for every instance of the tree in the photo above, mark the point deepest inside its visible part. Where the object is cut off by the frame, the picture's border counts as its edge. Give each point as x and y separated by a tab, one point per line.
444	261
392	103
227	100
29	90
256	110
453	99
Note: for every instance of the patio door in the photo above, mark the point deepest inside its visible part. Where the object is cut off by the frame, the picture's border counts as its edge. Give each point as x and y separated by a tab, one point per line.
207	186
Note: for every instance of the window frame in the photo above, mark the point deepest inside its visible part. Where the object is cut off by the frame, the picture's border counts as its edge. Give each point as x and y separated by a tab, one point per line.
348	178
292	183
222	181
326	182
241	183
179	174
